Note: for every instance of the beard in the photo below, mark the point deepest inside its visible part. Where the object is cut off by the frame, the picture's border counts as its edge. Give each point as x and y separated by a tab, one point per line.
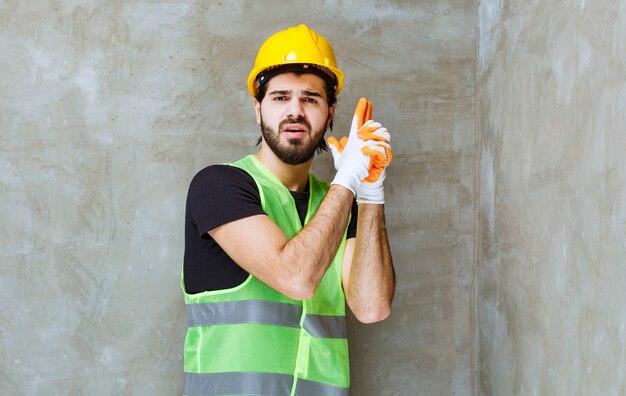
294	151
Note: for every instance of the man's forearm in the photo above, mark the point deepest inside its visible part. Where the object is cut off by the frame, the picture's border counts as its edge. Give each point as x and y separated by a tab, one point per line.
371	284
314	247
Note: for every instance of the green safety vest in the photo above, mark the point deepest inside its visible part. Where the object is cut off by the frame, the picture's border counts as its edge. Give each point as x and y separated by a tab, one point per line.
252	340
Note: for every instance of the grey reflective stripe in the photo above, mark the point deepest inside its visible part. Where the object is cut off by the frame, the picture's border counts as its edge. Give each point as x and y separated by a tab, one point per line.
211	384
247	311
326	326
310	388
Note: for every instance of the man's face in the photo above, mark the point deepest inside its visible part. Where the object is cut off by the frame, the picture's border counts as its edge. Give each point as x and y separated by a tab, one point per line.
294	116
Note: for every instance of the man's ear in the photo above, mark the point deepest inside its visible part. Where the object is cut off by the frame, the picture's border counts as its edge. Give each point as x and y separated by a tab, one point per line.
257	110
331	112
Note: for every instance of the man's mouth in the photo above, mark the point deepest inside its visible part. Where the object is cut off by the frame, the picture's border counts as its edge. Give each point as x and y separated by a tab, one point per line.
294	130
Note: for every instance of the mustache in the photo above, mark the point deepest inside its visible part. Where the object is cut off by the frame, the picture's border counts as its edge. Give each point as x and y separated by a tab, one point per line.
299	120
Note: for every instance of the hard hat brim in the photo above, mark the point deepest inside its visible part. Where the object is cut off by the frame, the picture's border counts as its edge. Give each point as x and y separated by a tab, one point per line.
324	73
337	75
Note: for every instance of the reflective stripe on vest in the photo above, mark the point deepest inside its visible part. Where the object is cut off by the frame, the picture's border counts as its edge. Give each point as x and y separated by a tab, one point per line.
237	384
324	326
265	312
310	388
247	311
255	384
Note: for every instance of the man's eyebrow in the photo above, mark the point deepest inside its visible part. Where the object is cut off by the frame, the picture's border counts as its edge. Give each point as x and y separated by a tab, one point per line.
312	93
280	92
288	92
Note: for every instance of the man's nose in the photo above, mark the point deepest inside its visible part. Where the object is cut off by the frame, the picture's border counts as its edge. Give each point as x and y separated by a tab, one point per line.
295	108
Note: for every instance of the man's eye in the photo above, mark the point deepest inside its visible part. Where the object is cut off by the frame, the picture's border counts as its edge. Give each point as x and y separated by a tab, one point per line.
311	100
280	98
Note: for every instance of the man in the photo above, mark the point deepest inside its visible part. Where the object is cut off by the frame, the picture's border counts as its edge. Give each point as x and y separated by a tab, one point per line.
266	295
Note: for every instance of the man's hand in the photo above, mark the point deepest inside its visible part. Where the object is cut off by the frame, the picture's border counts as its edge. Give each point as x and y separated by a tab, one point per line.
369	144
351	162
371	190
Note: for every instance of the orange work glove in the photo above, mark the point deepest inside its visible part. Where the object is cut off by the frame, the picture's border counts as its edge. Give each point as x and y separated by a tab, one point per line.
351	163
373	140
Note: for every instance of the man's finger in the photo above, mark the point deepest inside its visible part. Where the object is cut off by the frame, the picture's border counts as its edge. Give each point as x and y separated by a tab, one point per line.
333	143
379	135
360	112
377	161
343	141
368	112
389	155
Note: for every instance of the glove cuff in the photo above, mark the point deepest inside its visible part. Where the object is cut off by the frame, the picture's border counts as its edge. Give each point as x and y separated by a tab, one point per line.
347	179
370	194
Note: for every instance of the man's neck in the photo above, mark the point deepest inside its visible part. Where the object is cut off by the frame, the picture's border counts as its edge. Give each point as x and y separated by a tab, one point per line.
294	177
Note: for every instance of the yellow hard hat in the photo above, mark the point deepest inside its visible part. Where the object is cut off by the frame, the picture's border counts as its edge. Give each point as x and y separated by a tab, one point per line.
298	45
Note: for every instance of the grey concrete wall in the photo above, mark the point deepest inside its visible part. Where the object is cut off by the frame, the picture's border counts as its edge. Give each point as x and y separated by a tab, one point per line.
552	105
108	108
425	95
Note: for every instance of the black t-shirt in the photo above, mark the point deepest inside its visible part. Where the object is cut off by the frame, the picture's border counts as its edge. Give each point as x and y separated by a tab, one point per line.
218	195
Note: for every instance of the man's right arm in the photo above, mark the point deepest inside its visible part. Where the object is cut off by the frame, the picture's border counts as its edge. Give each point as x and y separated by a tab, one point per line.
293	267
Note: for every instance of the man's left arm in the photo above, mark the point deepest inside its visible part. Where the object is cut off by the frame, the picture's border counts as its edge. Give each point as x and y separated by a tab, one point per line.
368	274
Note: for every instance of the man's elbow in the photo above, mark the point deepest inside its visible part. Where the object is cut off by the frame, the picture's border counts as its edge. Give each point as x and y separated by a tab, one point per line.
373	315
300	289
